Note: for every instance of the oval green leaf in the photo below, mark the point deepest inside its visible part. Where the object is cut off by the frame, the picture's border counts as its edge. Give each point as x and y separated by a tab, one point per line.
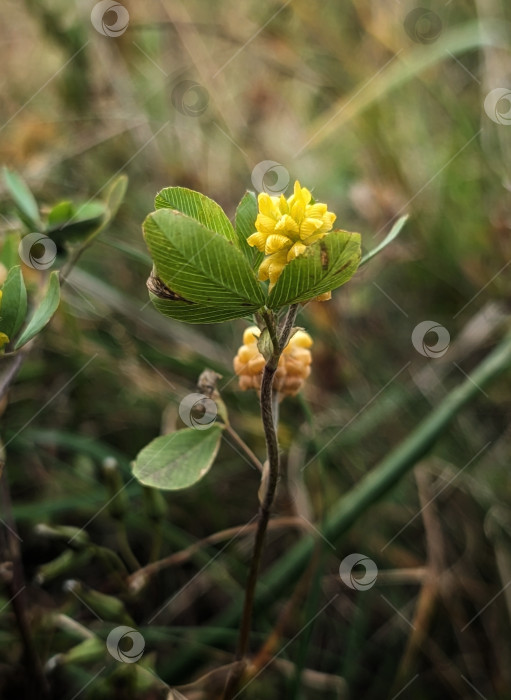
199	265
13	307
24	199
178	460
324	266
199	207
44	311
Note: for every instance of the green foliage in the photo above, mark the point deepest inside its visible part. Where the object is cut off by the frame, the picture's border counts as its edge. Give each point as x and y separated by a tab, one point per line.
393	234
178	460
246	215
68	222
325	265
13	307
24	200
200	265
198	207
43	312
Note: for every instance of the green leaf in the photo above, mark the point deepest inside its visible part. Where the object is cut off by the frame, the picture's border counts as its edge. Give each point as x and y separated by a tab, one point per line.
178	460
90	219
23	198
13	307
393	233
9	255
199	265
324	266
44	311
198	207
190	312
246	215
67	222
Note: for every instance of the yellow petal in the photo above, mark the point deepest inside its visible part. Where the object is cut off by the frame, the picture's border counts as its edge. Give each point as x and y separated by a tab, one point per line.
276	242
301	339
295	251
4	339
286	223
267	204
264	268
315	237
309	226
283	205
328	221
326	296
298	211
251	334
306	196
258	240
316	211
265	224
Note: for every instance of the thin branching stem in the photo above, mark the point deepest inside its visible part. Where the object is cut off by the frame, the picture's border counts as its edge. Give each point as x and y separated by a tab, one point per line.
270	427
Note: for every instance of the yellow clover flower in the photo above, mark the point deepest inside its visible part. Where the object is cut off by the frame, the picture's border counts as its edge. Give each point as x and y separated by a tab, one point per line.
293	368
285	227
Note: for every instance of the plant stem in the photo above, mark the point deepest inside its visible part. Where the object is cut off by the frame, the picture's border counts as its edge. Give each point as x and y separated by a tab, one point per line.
270	426
16	587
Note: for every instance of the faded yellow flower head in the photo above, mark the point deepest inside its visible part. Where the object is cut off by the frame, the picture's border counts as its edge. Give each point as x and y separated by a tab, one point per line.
293	368
285	227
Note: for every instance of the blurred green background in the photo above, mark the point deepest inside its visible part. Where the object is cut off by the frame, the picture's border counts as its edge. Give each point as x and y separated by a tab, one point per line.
381	108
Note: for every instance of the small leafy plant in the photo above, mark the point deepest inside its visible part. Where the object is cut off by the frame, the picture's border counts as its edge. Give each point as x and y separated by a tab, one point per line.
280	254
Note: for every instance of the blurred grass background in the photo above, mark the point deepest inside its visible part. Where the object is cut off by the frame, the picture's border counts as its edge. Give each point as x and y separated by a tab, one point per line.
379	115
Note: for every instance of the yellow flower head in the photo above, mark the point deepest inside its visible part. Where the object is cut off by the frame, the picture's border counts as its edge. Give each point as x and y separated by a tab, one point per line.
293	368
285	227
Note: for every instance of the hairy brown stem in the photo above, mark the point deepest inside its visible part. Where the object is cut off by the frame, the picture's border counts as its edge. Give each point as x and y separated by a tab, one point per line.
273	458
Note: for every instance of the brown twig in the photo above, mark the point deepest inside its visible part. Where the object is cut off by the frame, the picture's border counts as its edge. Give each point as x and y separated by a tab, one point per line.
279	342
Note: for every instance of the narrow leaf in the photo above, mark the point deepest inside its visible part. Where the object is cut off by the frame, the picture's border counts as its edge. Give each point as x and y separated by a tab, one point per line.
9	255
13	307
324	266
246	215
393	233
199	265
23	198
198	207
178	460
44	311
